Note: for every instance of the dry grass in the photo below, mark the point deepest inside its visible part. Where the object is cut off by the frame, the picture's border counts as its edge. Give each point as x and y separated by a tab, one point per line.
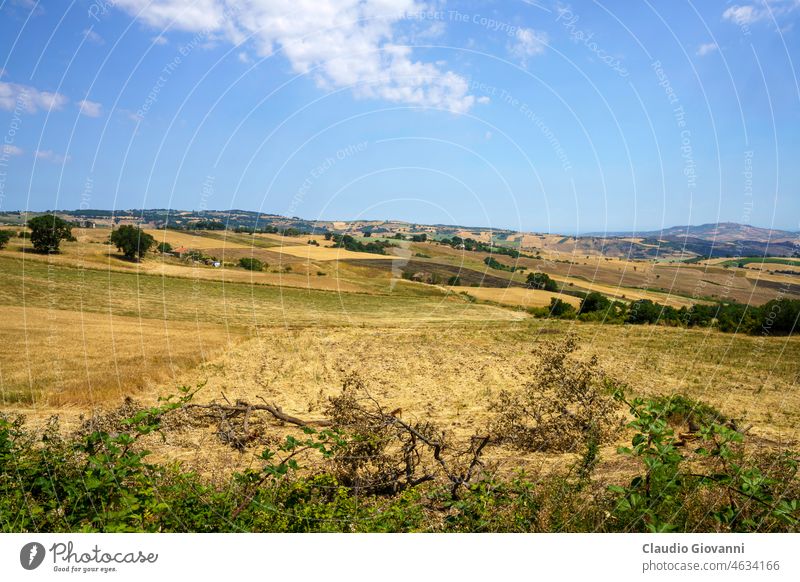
322	253
517	296
56	357
450	373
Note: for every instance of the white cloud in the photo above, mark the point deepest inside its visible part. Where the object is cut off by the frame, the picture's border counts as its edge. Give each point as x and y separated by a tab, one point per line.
92	36
90	108
12	150
747	14
483	99
243	57
742	14
340	43
28	99
159	40
707	48
51	156
528	43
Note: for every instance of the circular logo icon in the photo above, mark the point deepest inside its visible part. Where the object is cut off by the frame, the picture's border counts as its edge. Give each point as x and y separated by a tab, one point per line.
31	555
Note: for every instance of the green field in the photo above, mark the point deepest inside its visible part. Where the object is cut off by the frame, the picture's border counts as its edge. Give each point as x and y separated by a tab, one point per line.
768	260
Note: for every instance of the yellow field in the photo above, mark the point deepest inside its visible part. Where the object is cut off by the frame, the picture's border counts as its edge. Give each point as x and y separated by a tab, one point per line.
190	241
517	296
321	253
55	357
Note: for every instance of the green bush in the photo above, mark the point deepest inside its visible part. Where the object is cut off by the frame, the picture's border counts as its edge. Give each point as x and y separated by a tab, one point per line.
5	236
538	280
251	264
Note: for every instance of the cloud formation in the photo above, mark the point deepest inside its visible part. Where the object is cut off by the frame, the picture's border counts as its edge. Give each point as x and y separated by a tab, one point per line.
747	14
90	108
339	43
706	48
51	156
28	99
12	150
528	43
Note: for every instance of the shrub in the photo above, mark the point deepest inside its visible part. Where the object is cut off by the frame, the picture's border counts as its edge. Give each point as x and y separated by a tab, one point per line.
164	247
683	486
5	236
560	308
595	301
543	281
567	404
251	264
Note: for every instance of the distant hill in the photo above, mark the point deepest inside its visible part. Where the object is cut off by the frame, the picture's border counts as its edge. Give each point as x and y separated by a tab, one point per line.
715	231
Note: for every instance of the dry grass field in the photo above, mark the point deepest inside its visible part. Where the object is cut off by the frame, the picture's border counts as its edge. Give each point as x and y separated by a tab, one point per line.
517	296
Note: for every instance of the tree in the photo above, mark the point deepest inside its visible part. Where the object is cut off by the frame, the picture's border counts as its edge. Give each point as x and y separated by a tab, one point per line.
595	301
251	264
164	247
559	308
47	232
132	241
5	236
541	281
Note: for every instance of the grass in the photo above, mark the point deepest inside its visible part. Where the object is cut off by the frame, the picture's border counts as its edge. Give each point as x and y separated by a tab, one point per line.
748	260
517	296
86	335
57	357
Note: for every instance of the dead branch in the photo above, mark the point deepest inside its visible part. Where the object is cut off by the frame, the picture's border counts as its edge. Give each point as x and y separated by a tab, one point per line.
242	407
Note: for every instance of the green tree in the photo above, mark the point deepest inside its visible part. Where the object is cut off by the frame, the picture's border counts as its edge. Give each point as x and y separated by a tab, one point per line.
5	236
560	308
541	281
47	232
132	241
251	264
595	301
164	247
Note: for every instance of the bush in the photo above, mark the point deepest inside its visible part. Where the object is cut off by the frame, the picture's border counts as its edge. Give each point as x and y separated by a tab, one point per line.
251	264
164	247
560	308
5	236
595	301
711	485
567	404
47	232
543	281
132	241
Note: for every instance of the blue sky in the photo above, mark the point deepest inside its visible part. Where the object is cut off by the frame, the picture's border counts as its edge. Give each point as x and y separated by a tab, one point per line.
542	116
